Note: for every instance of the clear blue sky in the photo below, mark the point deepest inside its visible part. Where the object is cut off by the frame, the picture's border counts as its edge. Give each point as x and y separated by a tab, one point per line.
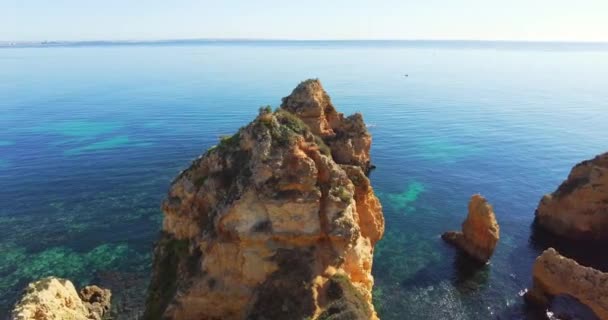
569	20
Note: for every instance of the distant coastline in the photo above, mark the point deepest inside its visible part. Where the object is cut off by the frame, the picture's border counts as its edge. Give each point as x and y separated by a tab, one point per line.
481	44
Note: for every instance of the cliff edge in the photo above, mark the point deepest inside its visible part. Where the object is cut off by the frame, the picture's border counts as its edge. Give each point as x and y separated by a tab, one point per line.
278	221
578	209
555	275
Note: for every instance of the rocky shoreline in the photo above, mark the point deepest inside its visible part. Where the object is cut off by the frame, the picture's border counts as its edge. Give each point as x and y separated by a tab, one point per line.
56	299
279	221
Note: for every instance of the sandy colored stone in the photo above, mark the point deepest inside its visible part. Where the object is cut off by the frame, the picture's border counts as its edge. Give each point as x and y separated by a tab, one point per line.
56	299
347	137
97	301
579	207
278	221
555	275
480	231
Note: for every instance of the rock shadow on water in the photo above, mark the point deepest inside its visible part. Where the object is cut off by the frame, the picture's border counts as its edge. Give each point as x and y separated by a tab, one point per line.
127	287
585	252
465	274
469	275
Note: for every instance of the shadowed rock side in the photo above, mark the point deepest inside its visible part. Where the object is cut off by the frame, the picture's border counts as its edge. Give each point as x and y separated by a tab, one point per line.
555	275
480	231
56	299
578	209
272	223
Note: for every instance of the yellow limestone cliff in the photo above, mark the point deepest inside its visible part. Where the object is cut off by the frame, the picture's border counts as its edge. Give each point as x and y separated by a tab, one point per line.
578	209
555	275
278	221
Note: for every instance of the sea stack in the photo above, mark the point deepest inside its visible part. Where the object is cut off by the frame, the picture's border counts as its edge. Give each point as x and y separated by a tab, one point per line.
578	209
480	231
555	275
278	221
56	299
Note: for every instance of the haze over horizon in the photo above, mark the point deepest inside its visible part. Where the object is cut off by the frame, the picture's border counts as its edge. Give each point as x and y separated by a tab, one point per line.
114	20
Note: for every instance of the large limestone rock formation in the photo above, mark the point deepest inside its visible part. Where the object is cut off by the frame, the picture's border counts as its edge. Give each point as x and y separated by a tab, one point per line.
278	221
480	231
555	275
579	207
56	299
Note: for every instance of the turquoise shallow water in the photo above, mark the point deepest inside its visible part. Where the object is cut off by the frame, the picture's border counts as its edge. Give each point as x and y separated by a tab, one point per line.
91	136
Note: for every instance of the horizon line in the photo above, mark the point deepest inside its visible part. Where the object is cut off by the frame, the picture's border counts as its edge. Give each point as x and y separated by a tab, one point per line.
5	43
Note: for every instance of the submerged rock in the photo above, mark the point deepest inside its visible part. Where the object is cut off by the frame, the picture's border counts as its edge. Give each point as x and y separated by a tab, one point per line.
555	275
56	299
480	231
578	209
278	221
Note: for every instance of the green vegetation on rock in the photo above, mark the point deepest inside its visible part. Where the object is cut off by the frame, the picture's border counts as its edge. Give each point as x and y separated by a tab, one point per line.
346	301
171	256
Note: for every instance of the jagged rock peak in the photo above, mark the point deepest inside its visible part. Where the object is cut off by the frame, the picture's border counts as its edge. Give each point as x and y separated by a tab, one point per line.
347	137
578	209
56	299
480	231
268	225
554	275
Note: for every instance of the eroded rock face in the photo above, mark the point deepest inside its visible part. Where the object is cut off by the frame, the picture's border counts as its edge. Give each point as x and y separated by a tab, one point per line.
56	299
480	231
278	221
96	300
579	207
347	137
555	275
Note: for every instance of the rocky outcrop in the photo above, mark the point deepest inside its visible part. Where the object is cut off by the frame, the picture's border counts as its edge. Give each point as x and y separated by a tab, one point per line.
278	221
96	300
56	299
578	209
555	275
480	231
347	137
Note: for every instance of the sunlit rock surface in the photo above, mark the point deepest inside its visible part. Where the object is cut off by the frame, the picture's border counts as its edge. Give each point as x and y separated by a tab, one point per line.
347	137
480	231
555	275
278	221
56	299
96	300
579	207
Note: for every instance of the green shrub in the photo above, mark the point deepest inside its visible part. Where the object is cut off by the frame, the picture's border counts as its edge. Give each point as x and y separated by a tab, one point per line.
229	142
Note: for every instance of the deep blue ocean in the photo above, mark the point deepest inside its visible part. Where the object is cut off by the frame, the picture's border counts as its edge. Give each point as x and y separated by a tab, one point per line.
92	135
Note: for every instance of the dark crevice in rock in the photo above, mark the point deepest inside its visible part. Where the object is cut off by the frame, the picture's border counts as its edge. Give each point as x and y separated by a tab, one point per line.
286	294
